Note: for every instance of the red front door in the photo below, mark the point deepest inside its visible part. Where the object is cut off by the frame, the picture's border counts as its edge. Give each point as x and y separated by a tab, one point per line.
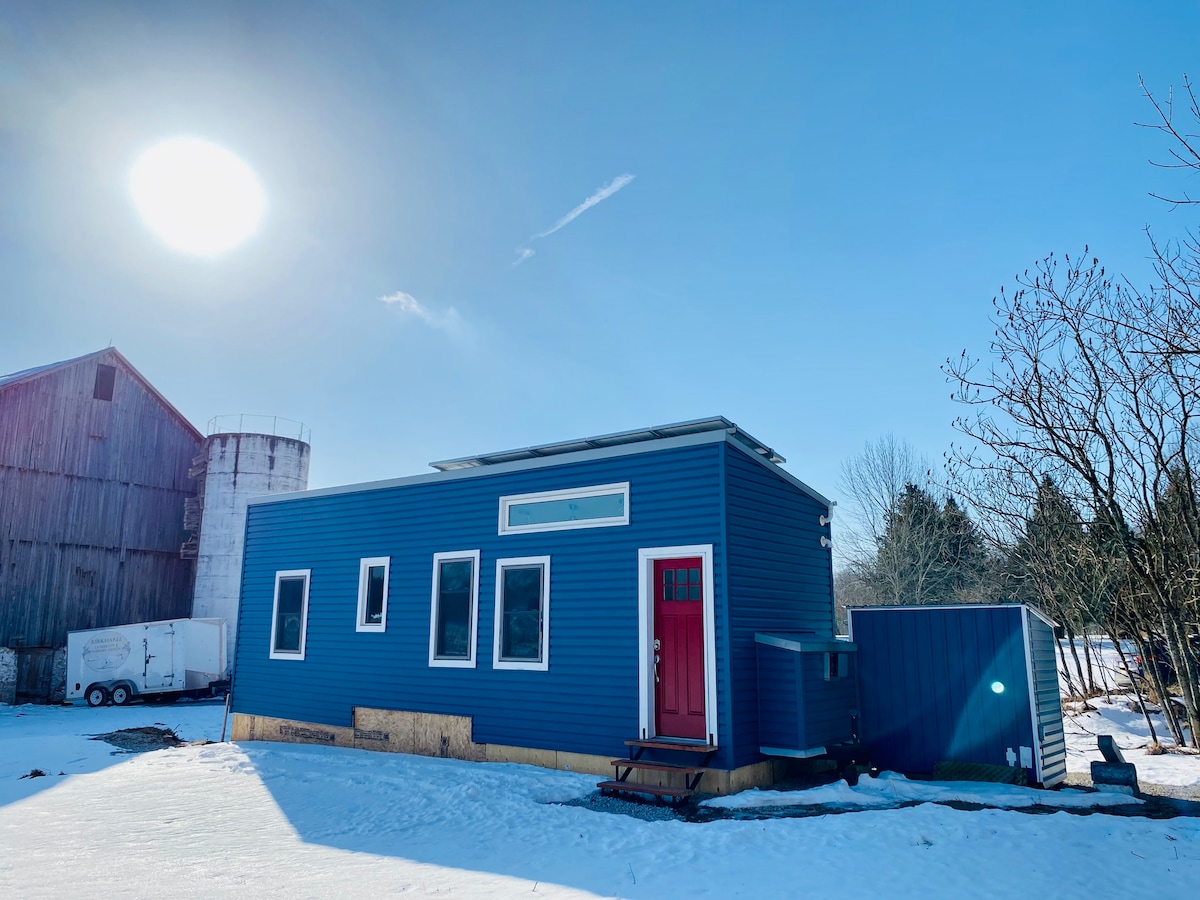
679	648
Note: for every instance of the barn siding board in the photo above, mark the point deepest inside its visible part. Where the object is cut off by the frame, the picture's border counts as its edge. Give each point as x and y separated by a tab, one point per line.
588	700
780	577
93	490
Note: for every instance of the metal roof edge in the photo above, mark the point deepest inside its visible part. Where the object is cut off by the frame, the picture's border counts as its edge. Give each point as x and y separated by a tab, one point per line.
671	443
21	376
563	448
803	643
27	375
904	606
156	393
1041	615
782	472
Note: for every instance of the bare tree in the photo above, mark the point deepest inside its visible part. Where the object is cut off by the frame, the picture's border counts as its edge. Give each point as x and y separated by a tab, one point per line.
1086	382
871	483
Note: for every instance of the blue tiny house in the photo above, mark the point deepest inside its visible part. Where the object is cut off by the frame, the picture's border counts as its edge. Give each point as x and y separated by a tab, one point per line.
971	683
541	605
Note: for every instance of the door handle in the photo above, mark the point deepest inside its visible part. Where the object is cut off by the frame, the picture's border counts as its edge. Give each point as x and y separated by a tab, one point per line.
656	659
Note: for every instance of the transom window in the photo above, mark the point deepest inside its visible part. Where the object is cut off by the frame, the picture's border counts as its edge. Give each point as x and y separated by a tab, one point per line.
522	613
372	593
289	614
454	610
589	507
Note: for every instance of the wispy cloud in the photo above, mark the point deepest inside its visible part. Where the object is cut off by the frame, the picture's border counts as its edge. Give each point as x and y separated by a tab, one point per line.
600	194
408	305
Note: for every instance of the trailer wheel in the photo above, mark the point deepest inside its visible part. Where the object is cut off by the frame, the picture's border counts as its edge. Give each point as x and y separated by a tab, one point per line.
121	695
96	695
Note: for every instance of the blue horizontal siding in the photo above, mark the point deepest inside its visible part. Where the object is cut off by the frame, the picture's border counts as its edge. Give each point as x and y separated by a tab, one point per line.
780	699
925	678
588	700
829	706
798	709
780	578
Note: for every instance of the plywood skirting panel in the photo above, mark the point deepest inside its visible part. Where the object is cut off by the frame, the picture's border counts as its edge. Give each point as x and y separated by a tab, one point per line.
431	734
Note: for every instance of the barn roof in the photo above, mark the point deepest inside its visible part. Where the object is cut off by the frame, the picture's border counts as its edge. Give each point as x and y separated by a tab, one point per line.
113	356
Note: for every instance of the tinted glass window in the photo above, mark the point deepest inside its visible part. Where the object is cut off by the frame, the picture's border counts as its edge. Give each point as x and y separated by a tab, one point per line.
453	627
521	615
373	614
289	615
544	512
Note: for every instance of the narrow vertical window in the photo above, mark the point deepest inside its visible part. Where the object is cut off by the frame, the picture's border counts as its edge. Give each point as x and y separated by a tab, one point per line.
454	610
289	614
372	594
522	613
835	666
106	378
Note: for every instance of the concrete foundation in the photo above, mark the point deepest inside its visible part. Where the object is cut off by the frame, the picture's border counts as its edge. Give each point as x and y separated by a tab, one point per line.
430	734
8	676
58	676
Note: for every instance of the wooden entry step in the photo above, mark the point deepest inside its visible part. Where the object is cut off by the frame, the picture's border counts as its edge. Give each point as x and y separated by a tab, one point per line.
654	766
618	787
664	744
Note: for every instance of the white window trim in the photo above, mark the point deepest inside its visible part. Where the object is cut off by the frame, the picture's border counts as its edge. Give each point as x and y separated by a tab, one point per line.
621	487
364	567
501	565
646	558
472	640
279	576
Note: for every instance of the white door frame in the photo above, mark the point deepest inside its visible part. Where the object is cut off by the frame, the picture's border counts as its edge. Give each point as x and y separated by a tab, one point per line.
646	558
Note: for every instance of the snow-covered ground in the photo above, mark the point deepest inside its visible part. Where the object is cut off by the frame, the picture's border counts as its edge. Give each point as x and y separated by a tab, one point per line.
1121	718
274	820
891	789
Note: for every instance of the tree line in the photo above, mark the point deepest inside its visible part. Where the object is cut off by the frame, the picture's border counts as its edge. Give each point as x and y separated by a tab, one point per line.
1079	464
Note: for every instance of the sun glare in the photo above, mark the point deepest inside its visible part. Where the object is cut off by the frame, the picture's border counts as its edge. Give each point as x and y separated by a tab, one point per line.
197	197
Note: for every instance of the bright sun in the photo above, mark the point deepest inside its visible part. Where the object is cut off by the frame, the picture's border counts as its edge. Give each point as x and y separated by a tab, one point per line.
197	197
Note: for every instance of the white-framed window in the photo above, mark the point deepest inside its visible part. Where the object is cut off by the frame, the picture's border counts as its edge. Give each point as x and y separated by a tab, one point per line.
522	634
373	593
289	614
454	610
598	506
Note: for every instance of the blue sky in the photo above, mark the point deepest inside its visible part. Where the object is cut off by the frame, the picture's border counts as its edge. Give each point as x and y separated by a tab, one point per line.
825	198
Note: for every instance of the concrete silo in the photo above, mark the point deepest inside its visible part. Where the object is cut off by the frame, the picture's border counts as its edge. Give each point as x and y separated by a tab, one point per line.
238	463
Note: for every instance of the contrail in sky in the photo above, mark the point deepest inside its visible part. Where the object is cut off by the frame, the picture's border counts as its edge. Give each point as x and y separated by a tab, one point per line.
603	193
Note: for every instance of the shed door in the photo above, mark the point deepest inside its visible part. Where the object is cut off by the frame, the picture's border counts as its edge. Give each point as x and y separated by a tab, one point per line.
679	648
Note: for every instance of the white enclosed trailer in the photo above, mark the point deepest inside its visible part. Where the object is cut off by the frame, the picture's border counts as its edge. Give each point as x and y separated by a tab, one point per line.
150	660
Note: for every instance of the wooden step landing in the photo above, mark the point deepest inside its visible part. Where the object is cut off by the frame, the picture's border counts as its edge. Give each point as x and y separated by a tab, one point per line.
655	766
663	744
652	789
